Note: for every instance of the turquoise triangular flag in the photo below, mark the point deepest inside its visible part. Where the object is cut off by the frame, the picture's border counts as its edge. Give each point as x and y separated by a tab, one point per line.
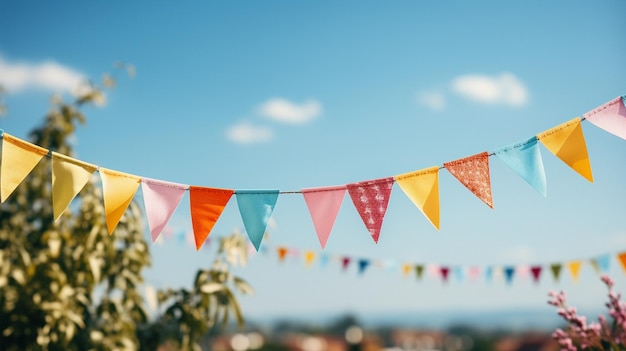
601	263
525	159
256	207
323	259
488	274
458	272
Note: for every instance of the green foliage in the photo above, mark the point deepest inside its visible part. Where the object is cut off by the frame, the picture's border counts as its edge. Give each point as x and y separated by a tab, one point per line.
69	285
188	314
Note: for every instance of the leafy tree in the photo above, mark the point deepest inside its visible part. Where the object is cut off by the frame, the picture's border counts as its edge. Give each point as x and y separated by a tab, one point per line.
69	285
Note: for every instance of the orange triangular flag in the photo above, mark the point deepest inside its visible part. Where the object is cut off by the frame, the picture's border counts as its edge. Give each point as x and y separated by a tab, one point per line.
19	157
207	205
422	187
567	142
118	189
473	172
69	177
282	253
574	269
622	260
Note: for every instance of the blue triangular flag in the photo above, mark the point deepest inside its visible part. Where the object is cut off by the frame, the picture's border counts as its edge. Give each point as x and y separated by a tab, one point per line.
363	264
602	263
508	274
256	207
488	274
525	159
458	272
323	259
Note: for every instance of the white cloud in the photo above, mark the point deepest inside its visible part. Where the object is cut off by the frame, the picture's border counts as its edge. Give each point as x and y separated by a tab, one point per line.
503	89
434	101
282	110
246	133
19	76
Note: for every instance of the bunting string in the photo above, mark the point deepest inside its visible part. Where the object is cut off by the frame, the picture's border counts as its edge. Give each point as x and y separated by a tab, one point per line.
370	197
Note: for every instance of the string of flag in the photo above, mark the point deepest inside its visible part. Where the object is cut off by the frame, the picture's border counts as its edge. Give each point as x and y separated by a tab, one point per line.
601	264
370	197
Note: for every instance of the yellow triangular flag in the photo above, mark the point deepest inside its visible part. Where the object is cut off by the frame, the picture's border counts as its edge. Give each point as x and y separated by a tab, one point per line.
567	142
19	157
574	269
69	176
118	189
422	187
309	256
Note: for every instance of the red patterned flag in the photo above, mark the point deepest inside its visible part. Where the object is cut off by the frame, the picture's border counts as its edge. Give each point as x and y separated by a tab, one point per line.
370	199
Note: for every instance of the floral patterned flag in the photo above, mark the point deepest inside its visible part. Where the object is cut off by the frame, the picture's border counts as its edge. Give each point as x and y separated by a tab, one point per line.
371	199
323	204
567	142
118	189
19	157
610	116
207	205
69	177
160	199
422	187
473	172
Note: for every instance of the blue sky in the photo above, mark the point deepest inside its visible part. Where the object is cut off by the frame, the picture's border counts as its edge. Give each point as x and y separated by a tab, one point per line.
289	95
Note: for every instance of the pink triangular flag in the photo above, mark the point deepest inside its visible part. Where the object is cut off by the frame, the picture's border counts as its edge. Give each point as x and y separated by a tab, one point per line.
473	172
610	117
160	199
370	199
324	204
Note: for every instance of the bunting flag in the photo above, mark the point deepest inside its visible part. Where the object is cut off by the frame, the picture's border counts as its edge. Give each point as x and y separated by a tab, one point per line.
69	177
324	204
556	271
19	158
207	205
611	116
574	269
489	274
345	262
567	142
509	271
422	187
370	199
601	264
525	159
363	264
160	200
419	271
444	273
459	273
323	260
256	207
473	172
406	269
473	273
282	253
119	189
622	260
309	256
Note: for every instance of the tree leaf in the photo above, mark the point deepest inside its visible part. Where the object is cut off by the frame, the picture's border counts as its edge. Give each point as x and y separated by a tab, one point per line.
211	287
